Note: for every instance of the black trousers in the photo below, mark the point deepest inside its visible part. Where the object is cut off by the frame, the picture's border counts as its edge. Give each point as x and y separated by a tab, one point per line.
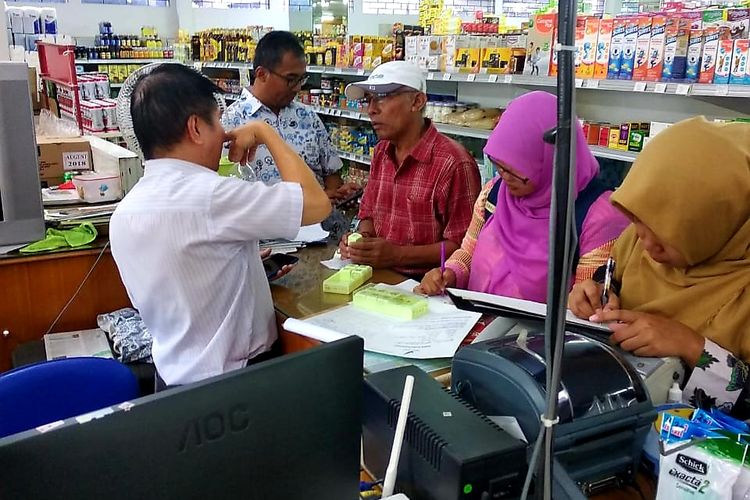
273	352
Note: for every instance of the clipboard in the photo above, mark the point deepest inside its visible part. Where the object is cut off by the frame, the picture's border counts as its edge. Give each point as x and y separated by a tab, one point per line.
520	309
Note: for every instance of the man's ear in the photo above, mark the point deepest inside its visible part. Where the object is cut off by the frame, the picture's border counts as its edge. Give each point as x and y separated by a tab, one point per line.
196	129
420	101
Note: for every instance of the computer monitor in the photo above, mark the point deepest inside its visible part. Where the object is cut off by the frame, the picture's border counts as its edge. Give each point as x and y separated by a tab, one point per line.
284	429
21	216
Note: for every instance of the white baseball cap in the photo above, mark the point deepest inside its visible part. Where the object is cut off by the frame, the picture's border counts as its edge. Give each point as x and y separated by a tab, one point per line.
388	77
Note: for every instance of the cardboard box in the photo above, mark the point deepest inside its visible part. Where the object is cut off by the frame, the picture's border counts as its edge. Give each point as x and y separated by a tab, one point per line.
629	45
675	51
588	56
739	23
58	155
695	49
580	38
615	48
641	50
715	17
724	62
740	55
656	48
712	37
539	44
603	44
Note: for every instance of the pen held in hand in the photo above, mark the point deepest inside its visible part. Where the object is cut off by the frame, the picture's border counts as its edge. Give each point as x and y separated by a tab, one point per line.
609	273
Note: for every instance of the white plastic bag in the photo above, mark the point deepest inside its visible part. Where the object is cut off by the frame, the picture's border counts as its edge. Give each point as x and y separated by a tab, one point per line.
51	126
694	473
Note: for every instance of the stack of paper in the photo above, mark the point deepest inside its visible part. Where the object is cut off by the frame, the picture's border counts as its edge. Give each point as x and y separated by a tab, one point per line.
76	344
306	235
435	335
95	214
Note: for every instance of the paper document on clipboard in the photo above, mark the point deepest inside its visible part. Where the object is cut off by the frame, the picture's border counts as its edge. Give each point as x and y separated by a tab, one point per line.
516	308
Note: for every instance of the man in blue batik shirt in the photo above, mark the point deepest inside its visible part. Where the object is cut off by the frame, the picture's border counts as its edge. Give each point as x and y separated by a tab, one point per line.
280	71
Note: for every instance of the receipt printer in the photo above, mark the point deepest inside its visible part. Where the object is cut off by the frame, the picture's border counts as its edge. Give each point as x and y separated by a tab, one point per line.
604	408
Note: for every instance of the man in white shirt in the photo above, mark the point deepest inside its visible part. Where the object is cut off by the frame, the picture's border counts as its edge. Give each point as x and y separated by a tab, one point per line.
185	240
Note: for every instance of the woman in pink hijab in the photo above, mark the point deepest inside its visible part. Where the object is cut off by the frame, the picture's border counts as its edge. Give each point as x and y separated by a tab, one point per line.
505	250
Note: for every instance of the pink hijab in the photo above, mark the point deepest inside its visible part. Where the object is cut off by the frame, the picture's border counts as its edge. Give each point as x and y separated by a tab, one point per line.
511	255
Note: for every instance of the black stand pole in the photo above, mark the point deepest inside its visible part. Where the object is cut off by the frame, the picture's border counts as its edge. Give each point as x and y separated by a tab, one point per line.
562	229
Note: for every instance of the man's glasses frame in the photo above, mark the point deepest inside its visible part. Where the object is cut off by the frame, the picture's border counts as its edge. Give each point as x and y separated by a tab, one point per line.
291	81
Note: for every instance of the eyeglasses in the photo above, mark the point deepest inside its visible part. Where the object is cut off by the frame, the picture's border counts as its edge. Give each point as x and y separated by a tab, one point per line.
291	81
503	170
377	98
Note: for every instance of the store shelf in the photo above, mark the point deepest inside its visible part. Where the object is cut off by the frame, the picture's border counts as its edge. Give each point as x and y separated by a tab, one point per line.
613	154
115	85
365	160
686	89
121	61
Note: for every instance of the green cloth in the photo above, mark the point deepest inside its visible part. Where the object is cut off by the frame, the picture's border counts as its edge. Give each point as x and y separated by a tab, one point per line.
76	237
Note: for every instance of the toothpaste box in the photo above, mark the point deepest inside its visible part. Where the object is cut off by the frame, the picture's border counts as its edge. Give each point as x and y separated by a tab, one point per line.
603	44
655	63
694	18
738	21
641	51
615	48
675	51
714	17
630	41
740	55
724	61
712	37
588	48
580	38
694	51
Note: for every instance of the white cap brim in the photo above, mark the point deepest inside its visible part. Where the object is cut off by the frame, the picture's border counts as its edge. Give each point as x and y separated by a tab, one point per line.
357	91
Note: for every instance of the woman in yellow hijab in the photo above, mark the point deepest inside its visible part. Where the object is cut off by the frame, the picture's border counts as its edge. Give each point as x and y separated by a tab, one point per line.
683	266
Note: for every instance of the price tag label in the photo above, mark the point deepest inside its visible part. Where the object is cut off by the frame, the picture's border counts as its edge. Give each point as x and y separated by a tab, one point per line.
683	89
660	88
360	72
337	71
430	75
722	90
639	87
471	77
579	83
592	84
446	76
492	79
508	79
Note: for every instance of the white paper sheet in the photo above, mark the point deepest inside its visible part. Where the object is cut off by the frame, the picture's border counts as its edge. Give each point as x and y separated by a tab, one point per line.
309	234
528	306
79	343
336	263
435	335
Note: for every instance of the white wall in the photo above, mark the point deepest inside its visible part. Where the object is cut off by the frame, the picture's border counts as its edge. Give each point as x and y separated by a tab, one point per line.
369	24
192	20
4	49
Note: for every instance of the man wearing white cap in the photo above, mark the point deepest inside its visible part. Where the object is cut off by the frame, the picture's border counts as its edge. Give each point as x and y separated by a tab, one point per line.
422	185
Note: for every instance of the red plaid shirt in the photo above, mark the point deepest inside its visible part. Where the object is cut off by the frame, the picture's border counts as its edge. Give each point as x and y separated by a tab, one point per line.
428	199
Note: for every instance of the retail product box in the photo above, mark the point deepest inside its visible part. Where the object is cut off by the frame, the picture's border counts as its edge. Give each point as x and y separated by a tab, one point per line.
450	50
714	17
614	137
615	47
580	36
588	54
738	21
604	135
740	54
624	136
640	65
539	48
496	60
603	45
675	51
656	48
712	37
694	51
469	55
109	158
15	19
694	18
32	24
724	61
629	46
58	155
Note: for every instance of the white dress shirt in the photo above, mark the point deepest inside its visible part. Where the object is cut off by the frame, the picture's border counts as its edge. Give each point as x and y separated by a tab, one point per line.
185	241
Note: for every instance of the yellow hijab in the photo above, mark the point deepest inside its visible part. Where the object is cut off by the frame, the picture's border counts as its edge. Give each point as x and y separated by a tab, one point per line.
691	187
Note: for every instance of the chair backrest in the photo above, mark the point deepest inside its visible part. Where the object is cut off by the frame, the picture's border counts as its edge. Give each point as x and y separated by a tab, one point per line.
45	392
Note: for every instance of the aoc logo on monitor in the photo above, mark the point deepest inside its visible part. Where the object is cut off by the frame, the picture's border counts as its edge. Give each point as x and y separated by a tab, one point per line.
213	427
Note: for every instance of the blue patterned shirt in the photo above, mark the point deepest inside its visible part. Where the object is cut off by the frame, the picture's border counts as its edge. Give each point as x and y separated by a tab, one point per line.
298	125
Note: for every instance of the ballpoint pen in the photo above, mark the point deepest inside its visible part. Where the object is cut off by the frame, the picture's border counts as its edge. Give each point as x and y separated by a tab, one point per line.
609	273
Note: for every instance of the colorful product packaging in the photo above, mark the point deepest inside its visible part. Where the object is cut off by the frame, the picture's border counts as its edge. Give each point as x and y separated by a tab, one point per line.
675	51
540	43
695	49
712	36
603	44
724	62
580	37
740	54
629	45
615	48
714	17
738	21
656	48
641	51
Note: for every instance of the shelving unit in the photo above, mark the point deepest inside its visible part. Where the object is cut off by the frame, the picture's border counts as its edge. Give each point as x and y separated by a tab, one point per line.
120	61
363	159
685	89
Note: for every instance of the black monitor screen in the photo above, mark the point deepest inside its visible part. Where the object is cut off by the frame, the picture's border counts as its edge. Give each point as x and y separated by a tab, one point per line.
287	428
